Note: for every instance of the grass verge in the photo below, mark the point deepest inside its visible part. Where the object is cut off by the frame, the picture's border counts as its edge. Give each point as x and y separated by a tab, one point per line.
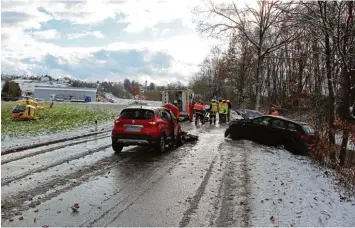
63	116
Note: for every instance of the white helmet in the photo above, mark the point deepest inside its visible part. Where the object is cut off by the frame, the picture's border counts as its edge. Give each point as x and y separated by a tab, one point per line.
213	100
175	101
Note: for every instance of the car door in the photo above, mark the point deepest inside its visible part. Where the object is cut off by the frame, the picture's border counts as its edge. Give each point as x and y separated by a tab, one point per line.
174	122
277	132
256	129
166	118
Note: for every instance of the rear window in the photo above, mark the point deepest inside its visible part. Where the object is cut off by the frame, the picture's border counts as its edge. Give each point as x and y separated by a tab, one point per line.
137	114
308	129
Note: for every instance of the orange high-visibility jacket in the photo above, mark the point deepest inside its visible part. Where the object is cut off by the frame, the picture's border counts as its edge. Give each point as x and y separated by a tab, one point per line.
199	107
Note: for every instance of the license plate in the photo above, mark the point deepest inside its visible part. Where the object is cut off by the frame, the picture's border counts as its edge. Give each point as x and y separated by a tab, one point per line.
133	128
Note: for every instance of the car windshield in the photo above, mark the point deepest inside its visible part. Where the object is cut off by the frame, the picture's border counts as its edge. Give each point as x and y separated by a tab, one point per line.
137	114
308	129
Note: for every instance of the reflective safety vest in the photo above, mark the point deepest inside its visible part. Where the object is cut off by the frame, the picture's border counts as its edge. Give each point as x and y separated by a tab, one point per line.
222	108
226	107
199	107
214	107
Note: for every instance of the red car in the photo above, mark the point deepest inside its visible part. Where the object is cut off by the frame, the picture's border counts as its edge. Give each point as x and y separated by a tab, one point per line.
146	126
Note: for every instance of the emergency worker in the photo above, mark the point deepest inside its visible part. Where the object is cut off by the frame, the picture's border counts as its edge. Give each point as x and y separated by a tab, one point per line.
191	110
199	110
213	111
273	111
222	111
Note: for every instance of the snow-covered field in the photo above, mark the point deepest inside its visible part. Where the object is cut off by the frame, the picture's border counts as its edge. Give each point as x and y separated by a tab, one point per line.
289	190
8	142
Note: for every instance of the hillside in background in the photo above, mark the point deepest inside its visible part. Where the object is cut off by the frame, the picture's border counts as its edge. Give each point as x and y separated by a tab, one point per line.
126	89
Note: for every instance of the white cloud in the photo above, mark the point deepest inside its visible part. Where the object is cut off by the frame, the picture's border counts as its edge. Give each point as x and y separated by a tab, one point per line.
187	49
47	34
96	34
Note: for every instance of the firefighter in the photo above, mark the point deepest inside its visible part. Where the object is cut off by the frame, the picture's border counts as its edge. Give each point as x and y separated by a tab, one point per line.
213	111
199	109
191	110
273	111
221	112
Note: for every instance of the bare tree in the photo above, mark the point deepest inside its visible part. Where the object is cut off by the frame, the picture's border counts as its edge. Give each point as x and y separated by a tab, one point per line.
266	28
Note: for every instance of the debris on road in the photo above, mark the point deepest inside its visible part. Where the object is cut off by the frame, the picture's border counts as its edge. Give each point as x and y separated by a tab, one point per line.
75	207
34	203
185	137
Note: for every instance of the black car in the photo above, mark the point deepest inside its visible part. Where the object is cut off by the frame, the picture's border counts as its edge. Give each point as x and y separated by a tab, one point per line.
274	131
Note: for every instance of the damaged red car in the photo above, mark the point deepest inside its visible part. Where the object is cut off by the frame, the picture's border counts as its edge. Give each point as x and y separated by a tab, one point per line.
157	127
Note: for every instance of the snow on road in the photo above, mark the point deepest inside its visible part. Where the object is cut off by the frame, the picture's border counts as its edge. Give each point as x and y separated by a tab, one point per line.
289	190
213	182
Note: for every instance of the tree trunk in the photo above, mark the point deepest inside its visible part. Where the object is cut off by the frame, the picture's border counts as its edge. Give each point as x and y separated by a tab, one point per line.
259	74
331	99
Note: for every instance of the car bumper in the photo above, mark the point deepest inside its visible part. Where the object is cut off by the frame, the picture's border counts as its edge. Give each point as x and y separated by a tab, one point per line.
130	140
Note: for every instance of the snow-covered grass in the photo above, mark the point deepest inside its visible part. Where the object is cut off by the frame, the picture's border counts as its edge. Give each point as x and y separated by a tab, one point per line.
289	190
61	117
108	111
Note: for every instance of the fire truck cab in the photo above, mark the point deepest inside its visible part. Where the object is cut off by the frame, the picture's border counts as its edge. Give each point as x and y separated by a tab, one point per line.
183	96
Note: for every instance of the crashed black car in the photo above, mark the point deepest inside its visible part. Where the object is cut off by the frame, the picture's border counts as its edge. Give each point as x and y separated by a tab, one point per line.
274	131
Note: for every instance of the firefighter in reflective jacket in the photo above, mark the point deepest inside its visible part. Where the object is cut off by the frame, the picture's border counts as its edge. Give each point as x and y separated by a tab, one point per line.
222	112
213	111
199	109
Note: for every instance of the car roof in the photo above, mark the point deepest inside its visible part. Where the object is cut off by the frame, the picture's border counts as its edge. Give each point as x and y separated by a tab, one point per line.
146	107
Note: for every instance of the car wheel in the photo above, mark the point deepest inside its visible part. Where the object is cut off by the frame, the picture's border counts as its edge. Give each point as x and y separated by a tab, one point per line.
226	133
117	147
234	135
178	140
160	146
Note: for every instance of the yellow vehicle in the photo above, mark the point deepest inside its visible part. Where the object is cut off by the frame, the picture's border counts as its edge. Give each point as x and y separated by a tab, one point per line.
28	109
24	112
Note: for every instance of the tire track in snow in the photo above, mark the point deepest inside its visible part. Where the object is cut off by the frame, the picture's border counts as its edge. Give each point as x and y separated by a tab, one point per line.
59	185
7	181
196	199
42	151
46	143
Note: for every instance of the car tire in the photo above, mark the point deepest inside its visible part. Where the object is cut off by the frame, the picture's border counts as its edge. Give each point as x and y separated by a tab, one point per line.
234	135
160	146
226	133
178	140
117	147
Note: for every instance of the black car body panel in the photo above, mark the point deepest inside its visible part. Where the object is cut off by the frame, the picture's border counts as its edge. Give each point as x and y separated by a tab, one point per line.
274	131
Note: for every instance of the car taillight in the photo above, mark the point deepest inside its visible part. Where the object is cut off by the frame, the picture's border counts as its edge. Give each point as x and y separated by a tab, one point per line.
117	121
305	137
153	123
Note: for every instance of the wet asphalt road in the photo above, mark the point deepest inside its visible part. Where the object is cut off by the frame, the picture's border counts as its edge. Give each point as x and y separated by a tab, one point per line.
197	184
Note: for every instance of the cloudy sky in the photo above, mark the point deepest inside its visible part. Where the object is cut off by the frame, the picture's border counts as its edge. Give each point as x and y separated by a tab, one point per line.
152	40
